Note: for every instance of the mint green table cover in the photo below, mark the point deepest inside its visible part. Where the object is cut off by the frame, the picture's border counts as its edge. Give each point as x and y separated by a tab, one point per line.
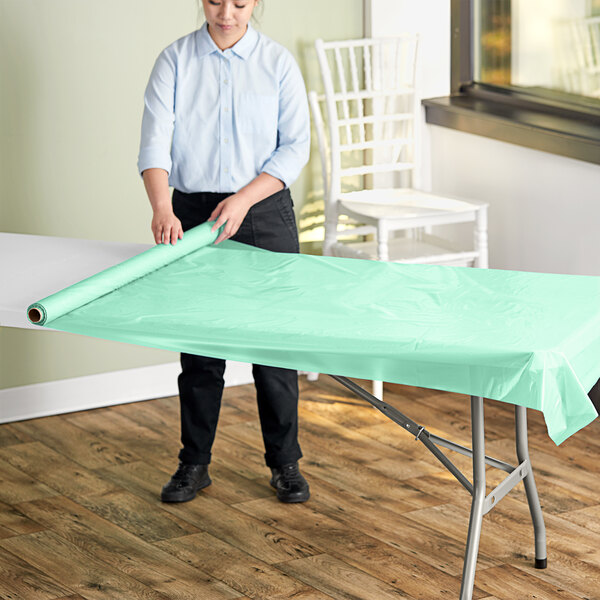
525	338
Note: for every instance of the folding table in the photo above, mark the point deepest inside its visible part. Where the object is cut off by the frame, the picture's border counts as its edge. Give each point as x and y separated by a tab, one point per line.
529	339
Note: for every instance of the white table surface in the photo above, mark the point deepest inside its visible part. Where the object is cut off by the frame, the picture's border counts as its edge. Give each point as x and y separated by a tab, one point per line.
35	266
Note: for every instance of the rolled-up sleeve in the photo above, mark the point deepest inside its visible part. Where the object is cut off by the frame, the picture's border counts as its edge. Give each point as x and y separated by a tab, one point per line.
158	119
293	128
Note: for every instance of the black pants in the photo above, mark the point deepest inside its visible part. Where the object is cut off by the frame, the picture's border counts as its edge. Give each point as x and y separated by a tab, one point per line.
271	225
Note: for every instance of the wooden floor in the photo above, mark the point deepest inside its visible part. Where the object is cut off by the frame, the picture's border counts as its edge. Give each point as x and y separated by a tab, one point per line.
80	515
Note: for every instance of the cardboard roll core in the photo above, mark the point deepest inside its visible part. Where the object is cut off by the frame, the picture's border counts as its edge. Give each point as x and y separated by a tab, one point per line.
35	315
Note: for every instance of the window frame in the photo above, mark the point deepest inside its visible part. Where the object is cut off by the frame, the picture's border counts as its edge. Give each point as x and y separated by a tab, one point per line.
540	118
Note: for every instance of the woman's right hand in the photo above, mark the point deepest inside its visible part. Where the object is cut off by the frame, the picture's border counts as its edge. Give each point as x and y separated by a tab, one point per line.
166	227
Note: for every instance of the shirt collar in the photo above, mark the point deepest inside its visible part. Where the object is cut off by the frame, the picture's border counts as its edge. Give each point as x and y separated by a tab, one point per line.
242	48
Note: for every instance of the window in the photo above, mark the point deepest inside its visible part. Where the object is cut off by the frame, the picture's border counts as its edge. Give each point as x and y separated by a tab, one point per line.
552	44
526	72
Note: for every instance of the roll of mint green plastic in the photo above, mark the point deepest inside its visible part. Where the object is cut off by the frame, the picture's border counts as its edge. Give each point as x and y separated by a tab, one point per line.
525	338
111	279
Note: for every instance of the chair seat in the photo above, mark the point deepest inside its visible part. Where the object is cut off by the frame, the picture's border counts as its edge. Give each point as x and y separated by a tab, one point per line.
427	250
404	204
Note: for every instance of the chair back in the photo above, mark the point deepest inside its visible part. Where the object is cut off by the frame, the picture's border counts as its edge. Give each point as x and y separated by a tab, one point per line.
371	105
315	101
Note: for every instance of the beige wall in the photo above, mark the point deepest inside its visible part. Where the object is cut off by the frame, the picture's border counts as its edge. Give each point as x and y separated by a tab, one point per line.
72	77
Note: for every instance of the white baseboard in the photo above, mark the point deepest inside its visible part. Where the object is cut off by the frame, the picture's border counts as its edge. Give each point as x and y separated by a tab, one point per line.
104	389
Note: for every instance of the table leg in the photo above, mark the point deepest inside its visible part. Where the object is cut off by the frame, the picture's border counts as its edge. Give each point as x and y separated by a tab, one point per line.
481	504
477	425
533	500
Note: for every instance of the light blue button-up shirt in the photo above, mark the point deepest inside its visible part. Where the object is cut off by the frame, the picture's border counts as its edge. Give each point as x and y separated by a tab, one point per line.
214	119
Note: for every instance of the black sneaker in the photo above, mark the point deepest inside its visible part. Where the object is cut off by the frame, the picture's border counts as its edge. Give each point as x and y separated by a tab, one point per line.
289	483
184	484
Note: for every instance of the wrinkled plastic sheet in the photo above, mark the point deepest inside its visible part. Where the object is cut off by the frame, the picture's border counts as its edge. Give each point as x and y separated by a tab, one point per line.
529	339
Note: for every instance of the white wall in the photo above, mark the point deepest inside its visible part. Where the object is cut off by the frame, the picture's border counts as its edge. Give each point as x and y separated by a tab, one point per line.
544	209
431	20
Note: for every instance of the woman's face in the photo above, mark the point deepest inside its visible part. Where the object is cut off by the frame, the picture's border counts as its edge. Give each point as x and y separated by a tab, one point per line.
227	19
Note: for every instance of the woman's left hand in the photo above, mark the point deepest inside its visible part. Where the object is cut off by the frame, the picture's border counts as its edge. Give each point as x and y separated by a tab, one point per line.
231	211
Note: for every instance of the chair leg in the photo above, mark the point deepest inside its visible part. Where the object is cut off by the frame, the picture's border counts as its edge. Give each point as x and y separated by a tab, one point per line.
382	241
378	389
476	519
481	238
539	528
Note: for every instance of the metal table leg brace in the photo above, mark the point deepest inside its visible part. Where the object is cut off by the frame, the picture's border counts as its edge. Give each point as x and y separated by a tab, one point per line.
481	503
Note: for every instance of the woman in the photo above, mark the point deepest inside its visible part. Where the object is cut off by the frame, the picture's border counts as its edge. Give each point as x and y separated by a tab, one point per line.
226	125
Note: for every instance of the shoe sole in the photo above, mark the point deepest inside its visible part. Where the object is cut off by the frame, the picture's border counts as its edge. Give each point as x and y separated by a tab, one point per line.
186	498
291	500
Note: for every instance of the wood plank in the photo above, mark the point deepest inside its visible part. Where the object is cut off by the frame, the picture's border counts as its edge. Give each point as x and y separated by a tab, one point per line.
160	416
231	487
75	443
392	563
565	536
245	460
392	435
589	518
357	479
439	551
246	533
507	531
21	581
17	485
237	569
567	474
453	521
552	497
217	518
54	470
337	502
368	516
331	438
127	435
14	522
508	582
140	478
565	572
10	435
163	413
228	486
63	561
147	520
422	543
101	540
334	402
340	580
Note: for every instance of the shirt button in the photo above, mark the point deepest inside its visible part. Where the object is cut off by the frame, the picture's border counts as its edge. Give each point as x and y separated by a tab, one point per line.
226	109
226	81
226	140
226	170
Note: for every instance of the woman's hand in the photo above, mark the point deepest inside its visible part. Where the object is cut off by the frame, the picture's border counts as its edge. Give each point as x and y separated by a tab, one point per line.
232	212
166	227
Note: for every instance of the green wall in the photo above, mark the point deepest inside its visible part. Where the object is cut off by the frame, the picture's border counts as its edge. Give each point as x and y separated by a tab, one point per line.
72	78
